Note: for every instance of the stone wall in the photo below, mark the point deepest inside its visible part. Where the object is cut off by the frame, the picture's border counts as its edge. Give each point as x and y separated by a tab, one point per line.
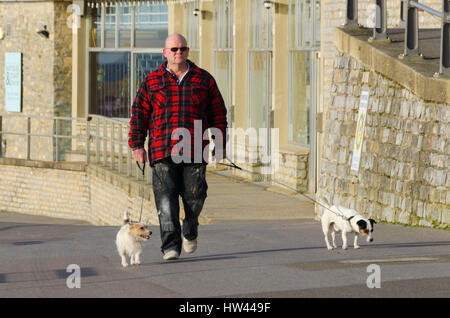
404	174
73	191
333	13
48	189
46	72
111	194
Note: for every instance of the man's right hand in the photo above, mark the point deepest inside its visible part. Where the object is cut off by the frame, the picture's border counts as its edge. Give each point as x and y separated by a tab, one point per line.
140	155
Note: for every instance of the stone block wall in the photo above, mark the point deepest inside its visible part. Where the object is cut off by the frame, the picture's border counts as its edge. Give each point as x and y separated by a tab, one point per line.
333	14
73	191
111	194
37	188
293	170
46	71
404	174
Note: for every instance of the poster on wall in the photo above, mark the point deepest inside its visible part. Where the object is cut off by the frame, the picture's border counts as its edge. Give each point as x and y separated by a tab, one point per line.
13	81
360	126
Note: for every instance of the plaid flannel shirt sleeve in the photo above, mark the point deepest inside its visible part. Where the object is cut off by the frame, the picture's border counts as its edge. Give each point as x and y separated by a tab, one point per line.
139	121
216	112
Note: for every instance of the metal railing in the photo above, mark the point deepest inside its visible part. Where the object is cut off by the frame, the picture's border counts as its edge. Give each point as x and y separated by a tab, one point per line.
26	124
109	138
409	15
99	140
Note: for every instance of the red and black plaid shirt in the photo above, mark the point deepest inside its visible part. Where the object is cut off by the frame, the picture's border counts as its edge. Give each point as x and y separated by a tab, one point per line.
162	105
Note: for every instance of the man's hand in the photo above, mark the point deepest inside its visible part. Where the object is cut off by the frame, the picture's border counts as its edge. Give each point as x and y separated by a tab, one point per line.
140	155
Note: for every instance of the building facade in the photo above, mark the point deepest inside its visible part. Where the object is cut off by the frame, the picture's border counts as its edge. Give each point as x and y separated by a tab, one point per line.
274	61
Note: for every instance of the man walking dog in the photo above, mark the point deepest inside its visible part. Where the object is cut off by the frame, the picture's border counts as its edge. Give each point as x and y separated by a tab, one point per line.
177	96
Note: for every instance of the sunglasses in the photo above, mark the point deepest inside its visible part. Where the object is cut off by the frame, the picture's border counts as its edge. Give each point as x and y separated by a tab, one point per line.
175	49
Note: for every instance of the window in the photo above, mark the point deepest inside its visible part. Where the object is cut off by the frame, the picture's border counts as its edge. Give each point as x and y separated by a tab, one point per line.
125	44
304	42
260	65
192	30
223	51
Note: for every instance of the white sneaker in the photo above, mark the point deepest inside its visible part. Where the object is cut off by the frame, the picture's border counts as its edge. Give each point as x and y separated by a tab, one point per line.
189	246
171	255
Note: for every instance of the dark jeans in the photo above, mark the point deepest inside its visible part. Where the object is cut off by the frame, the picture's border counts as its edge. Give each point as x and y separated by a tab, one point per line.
170	181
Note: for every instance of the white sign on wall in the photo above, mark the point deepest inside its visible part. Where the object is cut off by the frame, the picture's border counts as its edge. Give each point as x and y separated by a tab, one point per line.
13	81
360	126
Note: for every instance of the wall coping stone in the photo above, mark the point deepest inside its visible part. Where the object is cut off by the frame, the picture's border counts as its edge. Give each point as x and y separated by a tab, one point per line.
62	165
129	185
415	74
294	150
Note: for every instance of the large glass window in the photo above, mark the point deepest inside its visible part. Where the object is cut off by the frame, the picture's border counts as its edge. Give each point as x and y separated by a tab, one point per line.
304	43
151	24
192	29
125	44
223	50
110	83
259	61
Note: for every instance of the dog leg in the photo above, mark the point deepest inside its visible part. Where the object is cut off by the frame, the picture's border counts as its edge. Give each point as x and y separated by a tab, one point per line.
124	259
344	240
355	243
325	234
137	259
333	237
328	243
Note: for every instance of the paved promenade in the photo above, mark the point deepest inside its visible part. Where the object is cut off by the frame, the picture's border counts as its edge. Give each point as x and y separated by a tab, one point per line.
253	243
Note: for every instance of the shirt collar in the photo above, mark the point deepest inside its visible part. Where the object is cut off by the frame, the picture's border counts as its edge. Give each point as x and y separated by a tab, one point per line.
187	71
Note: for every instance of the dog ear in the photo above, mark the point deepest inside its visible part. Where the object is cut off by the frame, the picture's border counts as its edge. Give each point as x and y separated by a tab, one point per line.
372	222
325	201
362	224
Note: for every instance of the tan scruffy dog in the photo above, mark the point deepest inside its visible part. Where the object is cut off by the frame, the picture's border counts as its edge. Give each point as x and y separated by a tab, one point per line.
129	240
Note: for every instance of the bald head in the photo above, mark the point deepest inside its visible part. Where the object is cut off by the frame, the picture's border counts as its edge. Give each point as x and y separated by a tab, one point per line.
175	38
176	60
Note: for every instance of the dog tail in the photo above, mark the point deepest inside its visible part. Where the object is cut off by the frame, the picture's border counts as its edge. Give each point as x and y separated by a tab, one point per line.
126	218
325	201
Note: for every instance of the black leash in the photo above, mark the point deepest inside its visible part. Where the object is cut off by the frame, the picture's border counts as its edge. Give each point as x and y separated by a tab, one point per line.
143	185
233	165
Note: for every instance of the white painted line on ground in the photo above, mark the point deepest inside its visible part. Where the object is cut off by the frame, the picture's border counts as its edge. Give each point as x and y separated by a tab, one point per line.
389	260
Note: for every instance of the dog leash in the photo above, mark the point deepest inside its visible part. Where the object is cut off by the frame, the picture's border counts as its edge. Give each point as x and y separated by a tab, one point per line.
233	165
143	186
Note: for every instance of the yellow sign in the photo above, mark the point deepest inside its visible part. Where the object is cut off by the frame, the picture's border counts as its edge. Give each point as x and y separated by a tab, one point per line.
360	126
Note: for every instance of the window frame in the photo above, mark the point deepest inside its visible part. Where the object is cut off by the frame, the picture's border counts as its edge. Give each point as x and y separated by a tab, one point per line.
220	45
298	44
132	50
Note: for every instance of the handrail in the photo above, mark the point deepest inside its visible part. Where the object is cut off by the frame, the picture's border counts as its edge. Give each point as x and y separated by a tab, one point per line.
410	21
426	9
105	135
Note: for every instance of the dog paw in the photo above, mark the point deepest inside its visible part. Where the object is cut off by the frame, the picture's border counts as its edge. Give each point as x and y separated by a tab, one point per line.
125	264
330	248
357	247
344	247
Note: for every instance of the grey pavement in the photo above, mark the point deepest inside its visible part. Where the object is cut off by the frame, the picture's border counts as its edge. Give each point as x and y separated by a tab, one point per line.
244	251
